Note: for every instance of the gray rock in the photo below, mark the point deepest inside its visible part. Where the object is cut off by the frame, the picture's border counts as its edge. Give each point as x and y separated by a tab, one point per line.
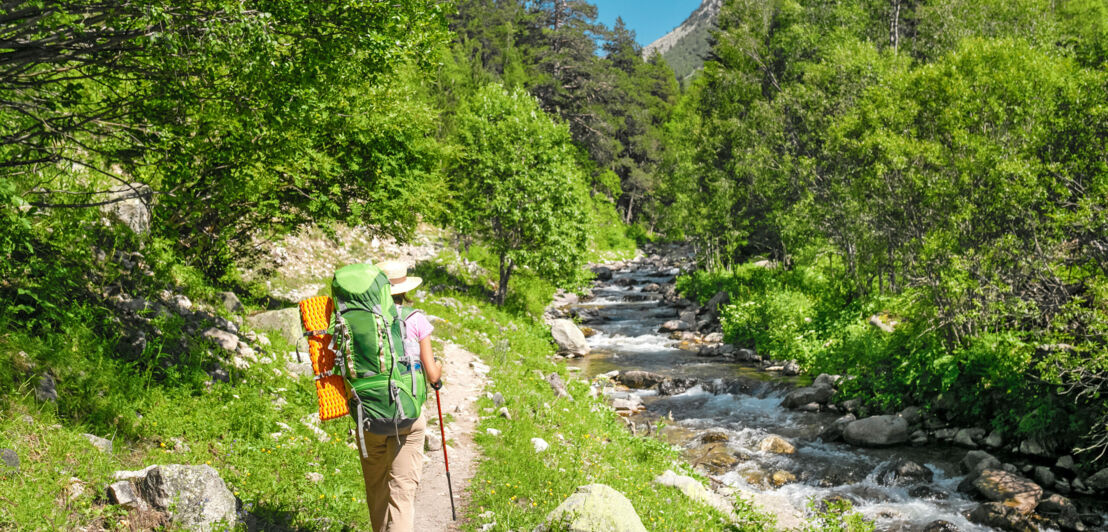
1044	476
674	325
231	302
1033	447
130	205
877	431
503	412
927	492
940	526
225	340
639	379
569	338
776	444
918	438
825	380
791	369
904	472
721	298
558	385
285	321
539	445
834	431
1061	511
946	434
603	273
1011	489
998	515
1098	481
595	507
977	461
497	399
995	440
47	389
693	489
851	405
195	497
433	442
1065	462
314	478
968	437
807	394
630	404
104	445
123	493
10	460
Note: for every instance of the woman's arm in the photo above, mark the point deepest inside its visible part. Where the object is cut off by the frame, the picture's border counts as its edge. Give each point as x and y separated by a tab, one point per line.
432	370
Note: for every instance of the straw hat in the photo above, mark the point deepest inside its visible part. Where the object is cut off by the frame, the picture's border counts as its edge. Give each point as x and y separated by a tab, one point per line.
397	273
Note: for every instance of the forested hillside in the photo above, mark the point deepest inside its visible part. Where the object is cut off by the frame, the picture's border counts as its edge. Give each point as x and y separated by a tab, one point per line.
939	166
686	47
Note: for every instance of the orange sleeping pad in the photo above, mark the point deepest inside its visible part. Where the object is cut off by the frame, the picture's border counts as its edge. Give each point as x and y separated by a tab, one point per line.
315	315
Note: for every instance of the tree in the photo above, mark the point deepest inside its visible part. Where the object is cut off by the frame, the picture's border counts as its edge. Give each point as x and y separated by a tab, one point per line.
518	187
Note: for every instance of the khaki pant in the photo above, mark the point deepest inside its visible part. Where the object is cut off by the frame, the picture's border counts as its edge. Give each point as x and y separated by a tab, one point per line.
391	474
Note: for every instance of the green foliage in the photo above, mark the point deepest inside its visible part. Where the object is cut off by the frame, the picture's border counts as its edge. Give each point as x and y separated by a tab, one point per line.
837	516
519	189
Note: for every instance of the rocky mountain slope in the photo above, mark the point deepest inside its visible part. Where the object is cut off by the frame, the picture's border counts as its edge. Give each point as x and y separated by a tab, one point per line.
684	48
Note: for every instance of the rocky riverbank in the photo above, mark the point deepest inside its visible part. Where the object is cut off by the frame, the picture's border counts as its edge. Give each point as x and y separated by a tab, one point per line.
636	320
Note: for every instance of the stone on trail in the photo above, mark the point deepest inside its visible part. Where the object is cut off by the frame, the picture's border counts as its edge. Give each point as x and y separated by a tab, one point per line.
593	508
285	321
877	431
569	338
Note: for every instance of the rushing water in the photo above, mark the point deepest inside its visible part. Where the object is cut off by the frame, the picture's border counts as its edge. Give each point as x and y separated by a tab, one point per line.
626	321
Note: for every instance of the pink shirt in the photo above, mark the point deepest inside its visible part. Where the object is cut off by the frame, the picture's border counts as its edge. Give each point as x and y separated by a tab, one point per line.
418	327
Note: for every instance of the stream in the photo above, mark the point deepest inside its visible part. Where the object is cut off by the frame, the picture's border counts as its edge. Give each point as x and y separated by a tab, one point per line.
722	420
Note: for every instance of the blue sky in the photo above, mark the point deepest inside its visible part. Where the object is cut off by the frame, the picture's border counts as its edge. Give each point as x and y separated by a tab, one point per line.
649	18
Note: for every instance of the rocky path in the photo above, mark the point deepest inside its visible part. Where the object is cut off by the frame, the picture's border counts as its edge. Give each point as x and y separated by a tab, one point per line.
463	384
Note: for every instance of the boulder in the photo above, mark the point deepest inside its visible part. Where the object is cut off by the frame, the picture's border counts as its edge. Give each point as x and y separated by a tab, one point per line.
130	205
1044	476
603	273
834	431
977	461
998	515
285	321
1098	481
721	298
969	437
876	431
195	497
940	526
807	394
592	508
10	460
639	379
1033	447
225	340
675	386
791	369
1009	488
231	301
912	414
1065	462
569	338
123	493
904	472
1061	511
776	444
826	380
994	440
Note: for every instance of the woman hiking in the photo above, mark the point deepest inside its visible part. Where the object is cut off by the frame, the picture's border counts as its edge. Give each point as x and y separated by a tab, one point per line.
394	463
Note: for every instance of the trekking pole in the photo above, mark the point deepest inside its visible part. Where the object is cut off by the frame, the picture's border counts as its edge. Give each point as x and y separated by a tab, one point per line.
442	432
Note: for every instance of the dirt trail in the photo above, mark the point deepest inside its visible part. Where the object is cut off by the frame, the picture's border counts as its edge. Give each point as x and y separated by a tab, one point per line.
463	385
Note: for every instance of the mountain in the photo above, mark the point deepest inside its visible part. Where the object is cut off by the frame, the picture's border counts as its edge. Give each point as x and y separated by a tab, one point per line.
684	48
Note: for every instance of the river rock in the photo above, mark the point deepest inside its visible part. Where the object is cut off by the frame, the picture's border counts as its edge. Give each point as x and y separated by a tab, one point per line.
746	355
1011	489
940	526
994	440
639	379
807	394
968	437
1033	447
285	321
927	492
592	508
1065	462
998	515
780	478
1061	511
776	444
603	273
1098	481
834	431
569	338
825	380
904	472
1044	476
977	461
713	306
674	325
876	431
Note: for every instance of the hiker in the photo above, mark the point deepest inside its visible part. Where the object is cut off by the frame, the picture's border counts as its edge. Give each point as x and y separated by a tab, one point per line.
394	463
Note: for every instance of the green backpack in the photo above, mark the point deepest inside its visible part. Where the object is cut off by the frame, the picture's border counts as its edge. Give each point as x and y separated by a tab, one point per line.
388	384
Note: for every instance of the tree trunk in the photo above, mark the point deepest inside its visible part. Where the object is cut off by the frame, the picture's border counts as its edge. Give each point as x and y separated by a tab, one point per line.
506	267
